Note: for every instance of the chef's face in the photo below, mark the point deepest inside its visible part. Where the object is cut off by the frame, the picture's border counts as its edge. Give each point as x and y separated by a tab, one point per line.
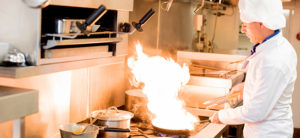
252	31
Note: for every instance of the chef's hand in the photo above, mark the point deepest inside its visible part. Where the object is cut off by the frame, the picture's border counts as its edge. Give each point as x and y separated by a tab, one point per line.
215	119
236	94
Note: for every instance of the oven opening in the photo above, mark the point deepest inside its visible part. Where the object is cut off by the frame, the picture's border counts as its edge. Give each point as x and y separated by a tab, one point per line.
61	39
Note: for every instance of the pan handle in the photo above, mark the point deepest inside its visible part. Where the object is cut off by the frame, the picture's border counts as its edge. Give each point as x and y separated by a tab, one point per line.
147	16
115	129
138	26
204	121
112	108
94	17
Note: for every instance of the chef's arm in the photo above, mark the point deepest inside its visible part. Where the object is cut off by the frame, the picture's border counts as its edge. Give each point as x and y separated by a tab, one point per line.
270	85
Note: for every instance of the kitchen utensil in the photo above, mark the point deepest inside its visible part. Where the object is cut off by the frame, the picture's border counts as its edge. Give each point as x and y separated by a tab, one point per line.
221	100
66	26
138	26
214	100
86	127
203	121
125	27
233	106
197	127
166	5
14	57
104	128
92	19
113	118
172	131
67	131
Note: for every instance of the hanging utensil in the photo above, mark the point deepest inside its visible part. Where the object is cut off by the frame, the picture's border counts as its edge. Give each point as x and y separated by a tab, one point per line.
86	127
138	26
166	5
92	19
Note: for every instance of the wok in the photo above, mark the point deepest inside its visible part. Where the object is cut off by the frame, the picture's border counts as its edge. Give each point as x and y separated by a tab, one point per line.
172	131
197	127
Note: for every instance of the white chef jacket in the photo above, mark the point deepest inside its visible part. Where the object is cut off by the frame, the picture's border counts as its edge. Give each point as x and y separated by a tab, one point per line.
270	79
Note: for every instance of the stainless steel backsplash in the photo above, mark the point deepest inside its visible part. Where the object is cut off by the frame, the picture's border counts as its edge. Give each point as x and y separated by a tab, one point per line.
165	32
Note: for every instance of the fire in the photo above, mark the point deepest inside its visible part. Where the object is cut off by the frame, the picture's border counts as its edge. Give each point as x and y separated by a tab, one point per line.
162	79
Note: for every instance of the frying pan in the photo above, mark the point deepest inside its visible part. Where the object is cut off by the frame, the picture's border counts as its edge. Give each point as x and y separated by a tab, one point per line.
172	131
197	127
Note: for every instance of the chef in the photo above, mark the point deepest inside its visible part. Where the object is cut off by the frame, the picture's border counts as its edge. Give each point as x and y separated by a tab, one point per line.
271	74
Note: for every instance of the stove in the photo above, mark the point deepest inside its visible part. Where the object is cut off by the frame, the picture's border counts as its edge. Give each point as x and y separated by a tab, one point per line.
146	130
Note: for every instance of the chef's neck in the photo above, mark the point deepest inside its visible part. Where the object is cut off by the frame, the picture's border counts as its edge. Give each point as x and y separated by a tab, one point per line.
266	32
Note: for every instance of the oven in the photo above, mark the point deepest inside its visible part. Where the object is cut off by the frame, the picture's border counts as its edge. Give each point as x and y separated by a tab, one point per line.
61	39
51	34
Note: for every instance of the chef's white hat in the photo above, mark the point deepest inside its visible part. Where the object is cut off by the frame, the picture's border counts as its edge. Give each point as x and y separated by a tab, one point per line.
268	12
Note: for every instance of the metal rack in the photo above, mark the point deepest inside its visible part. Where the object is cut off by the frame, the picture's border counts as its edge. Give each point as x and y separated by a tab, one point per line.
68	39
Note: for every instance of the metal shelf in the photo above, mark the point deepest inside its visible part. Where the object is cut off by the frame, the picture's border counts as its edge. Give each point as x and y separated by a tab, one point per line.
81	34
55	43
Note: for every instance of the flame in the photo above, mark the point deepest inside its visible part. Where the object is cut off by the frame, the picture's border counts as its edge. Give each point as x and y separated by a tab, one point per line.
162	79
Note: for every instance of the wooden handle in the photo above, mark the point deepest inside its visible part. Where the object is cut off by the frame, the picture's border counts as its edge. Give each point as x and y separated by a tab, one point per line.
235	94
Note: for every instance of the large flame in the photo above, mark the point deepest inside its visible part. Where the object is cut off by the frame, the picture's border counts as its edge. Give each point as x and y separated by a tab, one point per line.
162	79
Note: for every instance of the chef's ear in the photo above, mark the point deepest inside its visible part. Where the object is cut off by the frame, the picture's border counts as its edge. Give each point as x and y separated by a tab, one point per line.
262	25
243	27
37	3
